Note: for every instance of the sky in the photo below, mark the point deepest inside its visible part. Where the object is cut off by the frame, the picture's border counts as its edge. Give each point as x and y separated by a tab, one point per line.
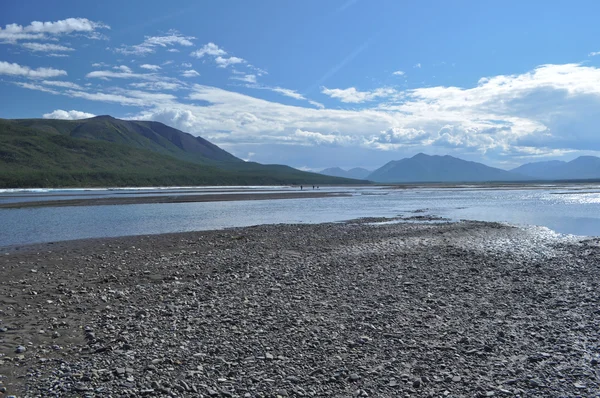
316	84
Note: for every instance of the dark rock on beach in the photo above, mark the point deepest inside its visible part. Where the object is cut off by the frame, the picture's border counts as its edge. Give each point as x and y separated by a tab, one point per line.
345	310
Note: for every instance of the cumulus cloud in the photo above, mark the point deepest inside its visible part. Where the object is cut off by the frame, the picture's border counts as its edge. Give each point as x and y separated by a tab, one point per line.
352	95
249	78
549	110
14	69
398	73
46	47
218	55
67	115
43	30
123	68
225	62
151	43
209	49
150	67
190	73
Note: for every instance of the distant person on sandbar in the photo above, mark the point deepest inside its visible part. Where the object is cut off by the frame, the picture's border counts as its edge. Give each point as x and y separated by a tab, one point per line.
301	187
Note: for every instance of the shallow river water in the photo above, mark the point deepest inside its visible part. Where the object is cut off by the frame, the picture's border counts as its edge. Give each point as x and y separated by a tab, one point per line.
569	209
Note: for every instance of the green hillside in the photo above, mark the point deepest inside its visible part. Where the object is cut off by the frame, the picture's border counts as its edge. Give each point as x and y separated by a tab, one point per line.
45	155
153	136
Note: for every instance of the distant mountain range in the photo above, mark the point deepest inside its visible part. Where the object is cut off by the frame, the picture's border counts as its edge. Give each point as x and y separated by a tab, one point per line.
358	173
447	169
104	151
425	168
582	168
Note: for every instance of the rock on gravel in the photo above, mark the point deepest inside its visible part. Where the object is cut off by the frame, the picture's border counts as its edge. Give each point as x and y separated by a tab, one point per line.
347	309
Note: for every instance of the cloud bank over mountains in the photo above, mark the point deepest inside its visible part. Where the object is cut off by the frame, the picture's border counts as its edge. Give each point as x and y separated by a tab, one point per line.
548	111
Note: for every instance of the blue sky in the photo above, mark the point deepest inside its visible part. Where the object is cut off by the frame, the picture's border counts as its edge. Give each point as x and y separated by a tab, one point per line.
315	84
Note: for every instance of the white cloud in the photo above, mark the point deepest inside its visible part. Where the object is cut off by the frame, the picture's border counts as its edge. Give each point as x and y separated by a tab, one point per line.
317	104
352	95
218	55
418	66
150	67
14	69
245	78
594	53
43	30
123	68
551	109
190	73
398	73
46	47
316	138
108	74
58	55
67	115
209	49
288	93
157	85
58	83
225	62
173	50
186	65
151	43
33	86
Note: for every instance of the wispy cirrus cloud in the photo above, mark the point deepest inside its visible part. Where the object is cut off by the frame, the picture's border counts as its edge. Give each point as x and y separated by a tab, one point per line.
67	115
59	83
37	30
46	47
151	43
123	73
594	53
150	67
14	69
157	85
248	78
190	73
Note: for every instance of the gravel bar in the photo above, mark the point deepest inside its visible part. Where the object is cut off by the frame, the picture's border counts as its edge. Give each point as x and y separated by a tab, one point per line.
355	309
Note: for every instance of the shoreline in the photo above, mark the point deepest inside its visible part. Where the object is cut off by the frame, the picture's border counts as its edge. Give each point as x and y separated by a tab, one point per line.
304	310
218	197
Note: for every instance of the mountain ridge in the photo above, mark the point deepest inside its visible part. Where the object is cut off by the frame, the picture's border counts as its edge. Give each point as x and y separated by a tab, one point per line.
355	172
422	168
105	151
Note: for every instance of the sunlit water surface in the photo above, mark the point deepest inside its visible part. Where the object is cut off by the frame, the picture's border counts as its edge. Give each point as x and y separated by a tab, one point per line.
566	210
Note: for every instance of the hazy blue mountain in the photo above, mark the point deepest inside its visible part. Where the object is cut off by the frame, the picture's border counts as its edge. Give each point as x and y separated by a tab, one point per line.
584	167
541	170
357	173
425	168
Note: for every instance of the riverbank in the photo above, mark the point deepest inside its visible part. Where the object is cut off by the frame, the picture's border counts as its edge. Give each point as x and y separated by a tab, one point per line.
346	309
216	197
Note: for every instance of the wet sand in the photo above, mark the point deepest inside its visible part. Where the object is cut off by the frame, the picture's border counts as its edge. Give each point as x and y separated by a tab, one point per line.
344	309
217	197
